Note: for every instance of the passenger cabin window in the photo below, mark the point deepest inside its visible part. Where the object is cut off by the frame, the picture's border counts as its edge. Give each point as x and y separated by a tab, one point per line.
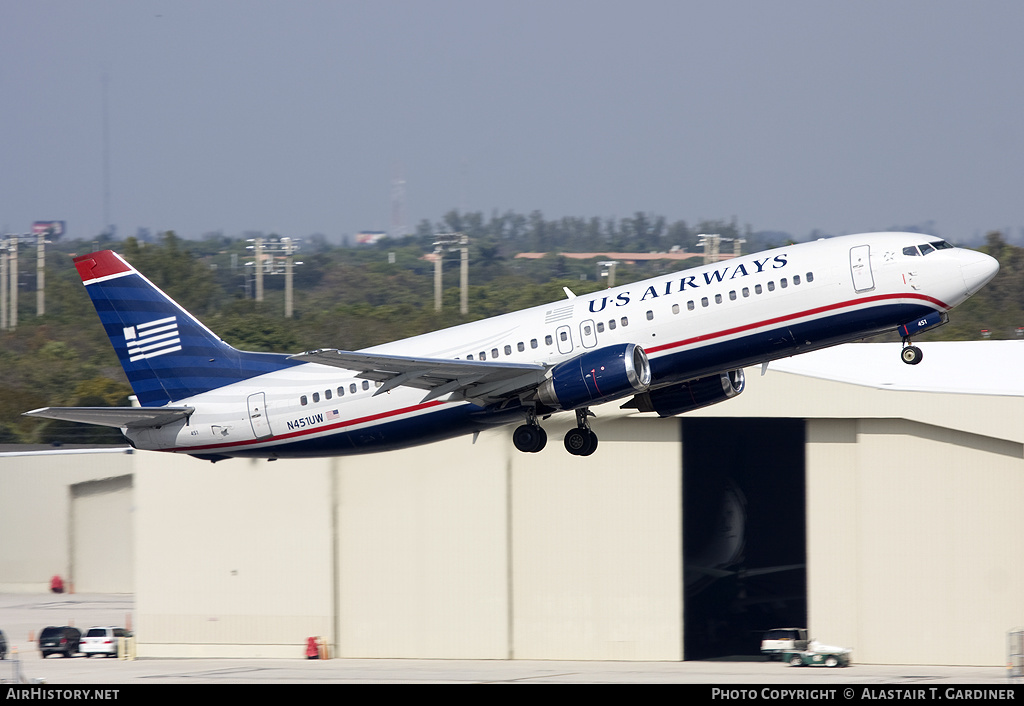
675	308
548	340
704	301
690	305
771	286
520	346
810	276
796	280
783	283
327	394
352	388
341	392
366	384
303	401
624	321
611	325
533	343
650	315
316	397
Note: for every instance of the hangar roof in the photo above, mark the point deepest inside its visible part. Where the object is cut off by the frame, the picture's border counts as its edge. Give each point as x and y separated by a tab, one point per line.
966	367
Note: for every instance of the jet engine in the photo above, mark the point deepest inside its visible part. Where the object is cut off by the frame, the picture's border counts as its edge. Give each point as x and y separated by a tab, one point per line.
595	377
690	395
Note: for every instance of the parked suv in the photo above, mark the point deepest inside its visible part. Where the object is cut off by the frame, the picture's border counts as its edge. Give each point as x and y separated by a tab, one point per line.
63	640
101	640
779	640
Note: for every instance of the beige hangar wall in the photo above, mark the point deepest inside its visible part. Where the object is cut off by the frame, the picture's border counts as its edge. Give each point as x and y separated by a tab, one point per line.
914	541
450	550
36	520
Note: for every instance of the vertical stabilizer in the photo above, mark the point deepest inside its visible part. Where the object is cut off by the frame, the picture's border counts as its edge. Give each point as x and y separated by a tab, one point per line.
166	352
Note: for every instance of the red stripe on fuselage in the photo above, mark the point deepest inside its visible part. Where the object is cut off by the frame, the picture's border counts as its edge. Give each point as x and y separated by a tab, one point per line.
790	317
100	264
314	430
653	349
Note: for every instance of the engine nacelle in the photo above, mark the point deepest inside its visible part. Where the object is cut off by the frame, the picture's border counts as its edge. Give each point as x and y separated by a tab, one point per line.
690	395
598	376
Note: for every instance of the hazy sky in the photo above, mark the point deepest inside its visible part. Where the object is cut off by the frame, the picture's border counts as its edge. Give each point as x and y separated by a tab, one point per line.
294	117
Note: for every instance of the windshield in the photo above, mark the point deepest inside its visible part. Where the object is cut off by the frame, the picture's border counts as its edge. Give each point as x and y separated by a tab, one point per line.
927	248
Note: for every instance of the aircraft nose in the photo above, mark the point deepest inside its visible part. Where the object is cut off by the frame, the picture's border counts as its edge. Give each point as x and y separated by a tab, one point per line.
977	269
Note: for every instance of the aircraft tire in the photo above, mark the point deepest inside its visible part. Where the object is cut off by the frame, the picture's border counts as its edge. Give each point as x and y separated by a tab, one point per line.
529	438
580	442
911	355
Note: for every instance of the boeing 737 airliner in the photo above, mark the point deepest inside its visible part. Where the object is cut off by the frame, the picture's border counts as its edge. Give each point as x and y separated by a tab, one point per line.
666	345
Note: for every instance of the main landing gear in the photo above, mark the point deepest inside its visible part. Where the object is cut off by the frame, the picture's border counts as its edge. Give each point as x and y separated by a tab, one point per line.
531	438
581	441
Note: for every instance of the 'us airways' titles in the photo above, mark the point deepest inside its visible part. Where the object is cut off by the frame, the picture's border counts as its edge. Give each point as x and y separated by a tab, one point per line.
667	345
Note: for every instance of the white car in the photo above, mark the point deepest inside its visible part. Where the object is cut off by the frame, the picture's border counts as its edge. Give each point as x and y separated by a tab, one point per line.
102	641
778	641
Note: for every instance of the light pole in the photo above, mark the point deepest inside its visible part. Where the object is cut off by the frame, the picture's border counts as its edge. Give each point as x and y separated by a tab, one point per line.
448	241
609	271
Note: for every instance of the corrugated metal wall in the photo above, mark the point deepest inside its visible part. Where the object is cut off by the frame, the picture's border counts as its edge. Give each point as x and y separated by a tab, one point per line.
234	558
914	537
463	550
103	536
35	518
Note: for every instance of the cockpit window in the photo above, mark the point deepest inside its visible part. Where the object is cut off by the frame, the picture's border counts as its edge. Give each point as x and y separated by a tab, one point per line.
925	249
911	250
941	245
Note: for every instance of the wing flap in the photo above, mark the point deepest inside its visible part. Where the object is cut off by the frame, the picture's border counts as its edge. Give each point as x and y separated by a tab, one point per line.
472	380
131	417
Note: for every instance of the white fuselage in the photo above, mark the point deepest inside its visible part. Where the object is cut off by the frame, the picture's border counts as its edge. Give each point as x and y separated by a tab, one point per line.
691	323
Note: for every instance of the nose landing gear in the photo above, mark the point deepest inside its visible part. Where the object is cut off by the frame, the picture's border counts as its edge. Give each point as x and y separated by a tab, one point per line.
911	355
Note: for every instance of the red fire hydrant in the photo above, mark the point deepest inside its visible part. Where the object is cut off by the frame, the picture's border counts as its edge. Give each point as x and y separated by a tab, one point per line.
312	649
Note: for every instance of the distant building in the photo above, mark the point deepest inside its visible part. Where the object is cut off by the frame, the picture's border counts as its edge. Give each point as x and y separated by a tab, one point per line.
370	237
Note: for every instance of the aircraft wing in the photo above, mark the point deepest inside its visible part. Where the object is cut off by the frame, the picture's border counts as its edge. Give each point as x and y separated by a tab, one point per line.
131	417
480	382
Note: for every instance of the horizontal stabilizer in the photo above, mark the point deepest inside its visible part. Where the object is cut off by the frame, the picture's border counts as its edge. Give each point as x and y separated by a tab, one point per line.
131	417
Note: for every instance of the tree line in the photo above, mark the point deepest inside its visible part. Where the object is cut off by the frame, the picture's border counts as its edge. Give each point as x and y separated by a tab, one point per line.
352	297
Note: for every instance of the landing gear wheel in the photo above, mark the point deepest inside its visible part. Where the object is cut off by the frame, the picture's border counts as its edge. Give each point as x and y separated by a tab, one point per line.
911	355
580	442
529	438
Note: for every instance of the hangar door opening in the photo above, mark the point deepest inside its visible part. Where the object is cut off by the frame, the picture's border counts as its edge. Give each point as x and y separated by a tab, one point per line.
744	533
103	536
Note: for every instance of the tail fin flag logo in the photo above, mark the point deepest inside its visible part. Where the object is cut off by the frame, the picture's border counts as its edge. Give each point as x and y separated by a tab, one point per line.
152	339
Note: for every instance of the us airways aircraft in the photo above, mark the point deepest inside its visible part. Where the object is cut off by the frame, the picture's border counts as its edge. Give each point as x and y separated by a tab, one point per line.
666	345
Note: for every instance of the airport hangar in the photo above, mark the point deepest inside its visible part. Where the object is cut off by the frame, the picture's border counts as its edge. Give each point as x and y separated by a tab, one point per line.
900	488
